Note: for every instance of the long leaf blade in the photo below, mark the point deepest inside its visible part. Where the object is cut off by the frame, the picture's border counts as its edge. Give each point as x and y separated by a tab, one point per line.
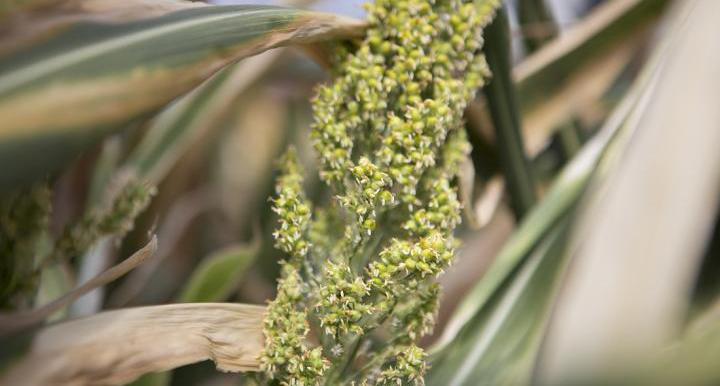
635	263
500	347
540	222
59	97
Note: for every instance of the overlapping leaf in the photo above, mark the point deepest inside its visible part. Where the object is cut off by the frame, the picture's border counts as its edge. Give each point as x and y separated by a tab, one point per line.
61	96
643	236
499	345
494	335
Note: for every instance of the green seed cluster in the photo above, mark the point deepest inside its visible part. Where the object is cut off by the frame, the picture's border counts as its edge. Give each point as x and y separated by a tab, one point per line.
417	317
117	220
342	301
24	221
286	357
404	263
370	191
292	208
406	368
389	135
442	211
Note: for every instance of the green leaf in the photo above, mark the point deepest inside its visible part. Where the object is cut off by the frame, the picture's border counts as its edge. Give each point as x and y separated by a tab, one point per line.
646	226
493	337
218	274
563	194
499	346
59	97
558	202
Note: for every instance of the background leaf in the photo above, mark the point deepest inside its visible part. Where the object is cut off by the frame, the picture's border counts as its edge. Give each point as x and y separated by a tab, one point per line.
61	96
563	194
220	273
182	124
642	238
494	335
30	25
499	346
570	74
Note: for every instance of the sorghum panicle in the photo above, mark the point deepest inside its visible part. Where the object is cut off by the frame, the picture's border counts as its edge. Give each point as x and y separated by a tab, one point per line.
389	135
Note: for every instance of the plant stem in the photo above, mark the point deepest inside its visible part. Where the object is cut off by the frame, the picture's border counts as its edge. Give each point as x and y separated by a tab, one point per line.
506	117
570	140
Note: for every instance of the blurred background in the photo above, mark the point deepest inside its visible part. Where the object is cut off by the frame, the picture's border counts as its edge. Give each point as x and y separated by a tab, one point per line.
563	73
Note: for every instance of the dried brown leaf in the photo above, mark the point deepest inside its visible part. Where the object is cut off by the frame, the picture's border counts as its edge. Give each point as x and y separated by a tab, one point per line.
116	347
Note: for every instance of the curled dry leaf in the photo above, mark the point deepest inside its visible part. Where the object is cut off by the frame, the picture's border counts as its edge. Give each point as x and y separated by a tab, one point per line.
116	347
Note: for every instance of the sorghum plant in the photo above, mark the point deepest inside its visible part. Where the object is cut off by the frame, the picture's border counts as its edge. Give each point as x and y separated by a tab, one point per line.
389	134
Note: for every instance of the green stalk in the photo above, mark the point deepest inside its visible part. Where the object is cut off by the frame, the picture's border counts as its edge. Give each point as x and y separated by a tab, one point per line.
505	115
570	139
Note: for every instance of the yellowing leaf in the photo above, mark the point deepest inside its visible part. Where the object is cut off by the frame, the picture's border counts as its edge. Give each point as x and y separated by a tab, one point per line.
58	97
